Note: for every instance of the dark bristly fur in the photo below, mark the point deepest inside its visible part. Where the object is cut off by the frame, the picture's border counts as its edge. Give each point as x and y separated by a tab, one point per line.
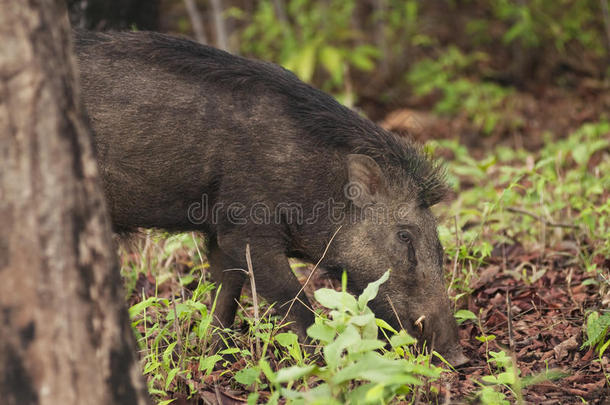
333	124
179	125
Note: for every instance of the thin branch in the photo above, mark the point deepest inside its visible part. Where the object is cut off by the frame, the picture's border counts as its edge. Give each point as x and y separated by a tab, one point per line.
387	297
509	319
606	15
222	40
196	21
539	218
254	300
455	259
280	11
199	254
292	301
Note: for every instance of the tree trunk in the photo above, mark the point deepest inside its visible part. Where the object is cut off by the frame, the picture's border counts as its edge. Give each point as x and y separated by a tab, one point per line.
64	334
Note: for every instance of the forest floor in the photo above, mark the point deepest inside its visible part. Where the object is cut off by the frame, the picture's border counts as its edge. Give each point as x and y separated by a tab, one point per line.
531	292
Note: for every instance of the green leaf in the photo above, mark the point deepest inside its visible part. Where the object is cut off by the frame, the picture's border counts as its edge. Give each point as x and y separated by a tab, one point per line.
375	394
170	377
603	348
287	339
336	300
167	354
322	332
371	290
293	373
597	327
207	363
303	62
332	60
384	325
486	338
266	369
334	350
366	345
463	315
489	396
402	339
230	350
253	398
141	306
247	376
363	320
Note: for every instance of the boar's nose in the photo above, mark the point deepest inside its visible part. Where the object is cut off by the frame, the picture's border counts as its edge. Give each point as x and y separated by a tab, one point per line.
440	330
456	357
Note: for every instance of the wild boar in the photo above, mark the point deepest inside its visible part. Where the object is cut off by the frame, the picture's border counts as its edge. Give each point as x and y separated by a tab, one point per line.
189	137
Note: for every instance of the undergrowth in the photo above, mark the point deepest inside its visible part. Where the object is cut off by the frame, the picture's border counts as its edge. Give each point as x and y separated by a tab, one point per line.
554	198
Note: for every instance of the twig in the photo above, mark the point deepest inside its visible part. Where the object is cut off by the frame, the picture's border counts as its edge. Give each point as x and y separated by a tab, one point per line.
455	259
219	25
395	312
254	300
539	218
292	301
278	5
509	317
606	15
217	392
447	394
199	254
570	294
196	21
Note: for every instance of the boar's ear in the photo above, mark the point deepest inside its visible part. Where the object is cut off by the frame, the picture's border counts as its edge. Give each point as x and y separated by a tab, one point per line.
366	180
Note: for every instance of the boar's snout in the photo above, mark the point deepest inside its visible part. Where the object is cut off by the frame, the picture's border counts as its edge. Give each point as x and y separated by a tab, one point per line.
440	332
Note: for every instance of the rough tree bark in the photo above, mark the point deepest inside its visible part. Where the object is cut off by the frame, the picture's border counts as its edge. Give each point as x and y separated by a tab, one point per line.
64	334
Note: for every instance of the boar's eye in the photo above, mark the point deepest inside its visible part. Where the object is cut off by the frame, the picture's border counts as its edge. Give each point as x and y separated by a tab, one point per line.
404	236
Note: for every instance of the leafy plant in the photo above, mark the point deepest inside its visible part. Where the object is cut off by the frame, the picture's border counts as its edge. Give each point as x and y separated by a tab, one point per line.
509	376
482	102
597	332
312	37
354	370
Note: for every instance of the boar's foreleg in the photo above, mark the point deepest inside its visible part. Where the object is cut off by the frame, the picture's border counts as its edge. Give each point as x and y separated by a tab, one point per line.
273	276
227	273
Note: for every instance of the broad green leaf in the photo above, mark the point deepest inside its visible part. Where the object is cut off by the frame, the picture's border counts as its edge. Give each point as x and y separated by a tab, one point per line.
366	345
402	338
336	300
170	377
286	339
247	376
371	290
322	332
293	373
363	320
334	350
207	363
463	315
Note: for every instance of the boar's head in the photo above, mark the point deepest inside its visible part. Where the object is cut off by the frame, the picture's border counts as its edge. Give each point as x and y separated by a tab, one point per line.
390	226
